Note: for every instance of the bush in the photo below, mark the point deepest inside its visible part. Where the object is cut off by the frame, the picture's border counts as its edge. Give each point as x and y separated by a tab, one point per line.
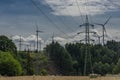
43	72
8	65
116	69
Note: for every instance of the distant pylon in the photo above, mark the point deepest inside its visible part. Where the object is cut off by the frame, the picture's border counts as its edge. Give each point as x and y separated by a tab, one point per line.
37	62
20	43
53	37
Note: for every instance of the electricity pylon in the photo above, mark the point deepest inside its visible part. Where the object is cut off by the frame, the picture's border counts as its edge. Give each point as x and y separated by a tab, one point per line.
87	30
98	36
20	43
53	37
104	29
37	35
37	52
87	40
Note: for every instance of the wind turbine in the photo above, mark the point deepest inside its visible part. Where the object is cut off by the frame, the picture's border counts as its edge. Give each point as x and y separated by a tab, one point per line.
104	29
98	36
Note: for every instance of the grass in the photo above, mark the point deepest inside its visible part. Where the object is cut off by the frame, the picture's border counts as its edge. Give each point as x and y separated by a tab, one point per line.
58	78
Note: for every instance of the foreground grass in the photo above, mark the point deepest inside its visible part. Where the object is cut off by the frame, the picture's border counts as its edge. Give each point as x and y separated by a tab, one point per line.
58	78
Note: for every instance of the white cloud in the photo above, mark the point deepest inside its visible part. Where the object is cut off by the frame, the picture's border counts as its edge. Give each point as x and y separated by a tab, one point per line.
59	39
112	34
27	41
94	7
17	38
33	38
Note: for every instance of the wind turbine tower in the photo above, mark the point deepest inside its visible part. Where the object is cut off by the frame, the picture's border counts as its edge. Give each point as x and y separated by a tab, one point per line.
104	29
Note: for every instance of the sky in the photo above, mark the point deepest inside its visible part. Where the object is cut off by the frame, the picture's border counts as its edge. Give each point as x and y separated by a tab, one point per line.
61	17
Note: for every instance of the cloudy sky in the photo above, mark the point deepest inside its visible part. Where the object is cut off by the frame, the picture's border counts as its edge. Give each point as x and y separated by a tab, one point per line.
61	17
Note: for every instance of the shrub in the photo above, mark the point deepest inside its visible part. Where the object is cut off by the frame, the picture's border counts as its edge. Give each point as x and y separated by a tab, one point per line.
8	65
43	72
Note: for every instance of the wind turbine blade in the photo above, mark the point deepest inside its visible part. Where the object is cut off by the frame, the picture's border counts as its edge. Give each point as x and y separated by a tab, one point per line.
99	24
105	24
80	32
40	31
107	20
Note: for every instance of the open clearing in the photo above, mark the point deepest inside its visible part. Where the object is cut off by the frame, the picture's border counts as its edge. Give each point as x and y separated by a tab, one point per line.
58	78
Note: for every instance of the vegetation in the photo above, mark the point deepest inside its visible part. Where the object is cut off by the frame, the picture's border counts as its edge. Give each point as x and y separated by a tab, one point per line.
6	45
14	63
8	65
100	59
61	58
116	69
67	60
27	61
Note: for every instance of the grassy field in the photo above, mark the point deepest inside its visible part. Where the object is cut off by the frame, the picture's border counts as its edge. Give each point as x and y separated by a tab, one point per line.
58	78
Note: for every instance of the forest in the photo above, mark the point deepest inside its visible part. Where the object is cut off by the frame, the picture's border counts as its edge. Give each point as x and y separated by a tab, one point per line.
56	59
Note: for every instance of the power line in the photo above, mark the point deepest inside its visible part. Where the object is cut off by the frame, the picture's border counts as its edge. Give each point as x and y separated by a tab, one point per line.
88	11
79	10
47	16
61	20
62	1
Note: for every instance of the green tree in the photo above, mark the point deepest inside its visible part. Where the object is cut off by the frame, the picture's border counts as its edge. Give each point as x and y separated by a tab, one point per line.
98	56
116	69
9	65
101	68
61	58
115	46
6	45
77	53
27	62
43	61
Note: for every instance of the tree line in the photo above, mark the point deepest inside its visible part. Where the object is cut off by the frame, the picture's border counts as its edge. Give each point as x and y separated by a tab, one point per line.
68	59
16	63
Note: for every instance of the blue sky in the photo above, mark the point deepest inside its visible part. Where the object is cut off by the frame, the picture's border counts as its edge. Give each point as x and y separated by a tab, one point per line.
19	17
